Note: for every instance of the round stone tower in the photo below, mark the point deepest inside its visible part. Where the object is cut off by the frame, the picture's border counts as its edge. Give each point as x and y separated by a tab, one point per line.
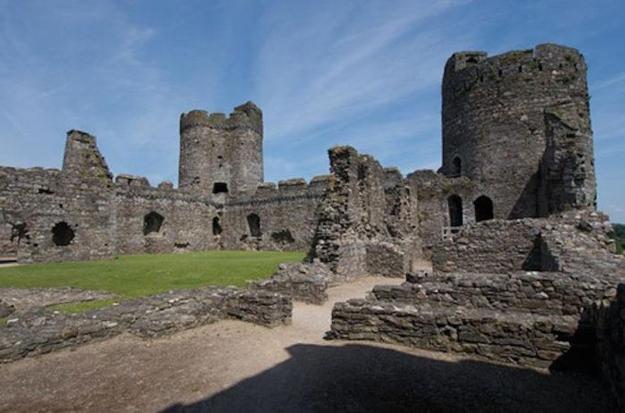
518	124
219	154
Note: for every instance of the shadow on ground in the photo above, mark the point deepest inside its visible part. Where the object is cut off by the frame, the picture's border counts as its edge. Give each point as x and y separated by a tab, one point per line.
362	378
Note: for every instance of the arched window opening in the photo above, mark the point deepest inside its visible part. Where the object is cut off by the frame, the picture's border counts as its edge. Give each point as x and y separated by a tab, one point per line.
253	222
483	208
152	222
62	234
456	166
216	226
455	211
220	188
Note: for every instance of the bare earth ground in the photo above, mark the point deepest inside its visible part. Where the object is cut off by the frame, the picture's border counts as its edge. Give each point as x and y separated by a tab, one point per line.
238	367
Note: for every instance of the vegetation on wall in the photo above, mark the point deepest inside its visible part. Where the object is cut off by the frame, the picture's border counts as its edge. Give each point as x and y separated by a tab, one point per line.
619	237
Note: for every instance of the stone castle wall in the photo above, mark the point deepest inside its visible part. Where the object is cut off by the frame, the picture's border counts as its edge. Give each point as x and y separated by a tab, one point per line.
100	218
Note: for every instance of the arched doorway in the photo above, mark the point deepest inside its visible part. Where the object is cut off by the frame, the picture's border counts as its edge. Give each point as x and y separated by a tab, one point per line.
455	211
483	209
253	222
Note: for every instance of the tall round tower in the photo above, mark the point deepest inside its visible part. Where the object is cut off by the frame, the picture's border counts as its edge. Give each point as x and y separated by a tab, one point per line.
518	124
220	154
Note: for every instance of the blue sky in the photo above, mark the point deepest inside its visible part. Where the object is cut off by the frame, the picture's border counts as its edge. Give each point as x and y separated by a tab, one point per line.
363	73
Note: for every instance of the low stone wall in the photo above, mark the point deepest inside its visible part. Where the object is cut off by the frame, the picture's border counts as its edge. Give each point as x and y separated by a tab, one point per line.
300	281
520	339
41	331
534	292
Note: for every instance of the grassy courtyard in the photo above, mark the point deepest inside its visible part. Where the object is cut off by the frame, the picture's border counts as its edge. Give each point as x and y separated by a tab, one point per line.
140	275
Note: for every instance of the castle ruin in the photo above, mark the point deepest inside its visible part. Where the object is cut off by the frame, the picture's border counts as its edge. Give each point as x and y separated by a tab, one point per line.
523	269
517	143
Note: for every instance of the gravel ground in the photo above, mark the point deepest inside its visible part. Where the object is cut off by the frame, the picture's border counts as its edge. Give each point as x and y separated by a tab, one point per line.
232	366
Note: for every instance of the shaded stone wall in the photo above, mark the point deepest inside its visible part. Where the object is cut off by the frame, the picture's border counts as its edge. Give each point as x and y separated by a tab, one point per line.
609	319
496	122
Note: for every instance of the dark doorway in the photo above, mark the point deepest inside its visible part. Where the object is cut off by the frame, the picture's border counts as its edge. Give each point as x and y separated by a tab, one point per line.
152	222
220	188
455	210
483	209
253	221
456	167
216	226
62	234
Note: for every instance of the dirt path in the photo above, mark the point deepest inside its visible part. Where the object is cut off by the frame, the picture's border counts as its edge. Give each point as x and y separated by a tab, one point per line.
238	367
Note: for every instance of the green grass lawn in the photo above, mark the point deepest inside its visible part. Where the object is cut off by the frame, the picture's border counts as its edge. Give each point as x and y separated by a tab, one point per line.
140	275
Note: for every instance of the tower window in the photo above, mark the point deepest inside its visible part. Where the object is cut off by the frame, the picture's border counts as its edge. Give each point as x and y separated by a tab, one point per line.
483	208
62	234
152	222
216	226
253	222
455	210
220	188
456	166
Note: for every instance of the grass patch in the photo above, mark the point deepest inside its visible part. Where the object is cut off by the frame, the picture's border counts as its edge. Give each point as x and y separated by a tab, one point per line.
3	321
82	306
140	275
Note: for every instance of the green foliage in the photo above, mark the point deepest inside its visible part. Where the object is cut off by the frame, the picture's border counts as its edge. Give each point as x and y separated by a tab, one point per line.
82	306
619	237
141	275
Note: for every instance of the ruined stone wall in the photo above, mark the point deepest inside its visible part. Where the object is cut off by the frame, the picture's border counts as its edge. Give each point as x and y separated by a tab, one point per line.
366	223
287	216
61	215
433	191
186	220
215	149
571	244
497	124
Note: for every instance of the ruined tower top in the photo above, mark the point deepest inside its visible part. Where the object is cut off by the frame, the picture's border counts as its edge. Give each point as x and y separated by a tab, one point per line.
247	115
221	155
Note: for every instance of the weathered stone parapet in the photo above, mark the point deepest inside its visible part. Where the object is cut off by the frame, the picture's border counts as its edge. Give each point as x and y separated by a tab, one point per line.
41	331
126	180
247	115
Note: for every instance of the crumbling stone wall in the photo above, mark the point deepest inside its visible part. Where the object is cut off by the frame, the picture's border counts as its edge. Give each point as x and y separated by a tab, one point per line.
498	121
61	215
480	302
366	223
